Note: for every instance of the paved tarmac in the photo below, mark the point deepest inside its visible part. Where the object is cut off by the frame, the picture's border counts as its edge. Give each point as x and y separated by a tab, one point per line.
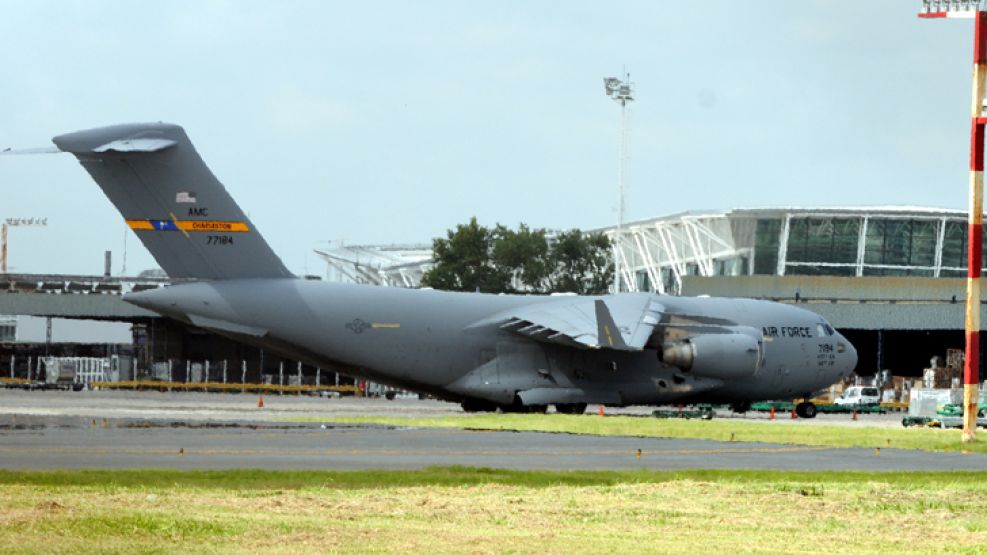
49	430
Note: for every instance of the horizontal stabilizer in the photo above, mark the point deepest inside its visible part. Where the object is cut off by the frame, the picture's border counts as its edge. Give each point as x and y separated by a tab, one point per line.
36	150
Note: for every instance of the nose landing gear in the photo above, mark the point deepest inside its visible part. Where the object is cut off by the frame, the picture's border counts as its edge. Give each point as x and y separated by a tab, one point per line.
806	409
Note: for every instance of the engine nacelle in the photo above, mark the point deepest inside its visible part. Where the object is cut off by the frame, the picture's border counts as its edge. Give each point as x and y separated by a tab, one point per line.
726	356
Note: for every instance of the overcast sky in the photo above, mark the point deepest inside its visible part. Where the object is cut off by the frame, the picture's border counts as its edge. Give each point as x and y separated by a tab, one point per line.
389	122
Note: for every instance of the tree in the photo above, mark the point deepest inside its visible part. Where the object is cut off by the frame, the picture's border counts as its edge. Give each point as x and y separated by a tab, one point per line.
501	260
524	253
463	261
580	263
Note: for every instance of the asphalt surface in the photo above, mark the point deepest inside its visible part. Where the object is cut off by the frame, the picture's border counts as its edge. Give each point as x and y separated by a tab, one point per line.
50	430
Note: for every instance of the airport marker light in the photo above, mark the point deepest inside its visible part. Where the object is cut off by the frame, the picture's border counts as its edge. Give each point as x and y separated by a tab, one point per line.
976	10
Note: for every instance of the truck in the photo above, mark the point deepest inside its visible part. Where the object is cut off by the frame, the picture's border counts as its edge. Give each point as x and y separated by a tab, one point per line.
859	395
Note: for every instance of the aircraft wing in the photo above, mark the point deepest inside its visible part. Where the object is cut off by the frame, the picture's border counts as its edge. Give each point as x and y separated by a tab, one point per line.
623	322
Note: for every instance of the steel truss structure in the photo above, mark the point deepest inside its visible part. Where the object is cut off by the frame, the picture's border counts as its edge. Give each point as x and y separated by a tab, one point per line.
387	265
657	253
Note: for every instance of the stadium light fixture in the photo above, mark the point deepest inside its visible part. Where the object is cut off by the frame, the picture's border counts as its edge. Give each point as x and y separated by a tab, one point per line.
622	92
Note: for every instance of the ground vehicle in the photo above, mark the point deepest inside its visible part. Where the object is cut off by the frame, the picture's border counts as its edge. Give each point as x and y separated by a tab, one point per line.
859	395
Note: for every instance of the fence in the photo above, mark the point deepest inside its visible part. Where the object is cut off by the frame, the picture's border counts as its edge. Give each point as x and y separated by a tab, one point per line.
80	370
115	372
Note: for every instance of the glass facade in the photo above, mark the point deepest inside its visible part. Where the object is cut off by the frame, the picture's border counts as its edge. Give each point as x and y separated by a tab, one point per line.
832	241
954	246
767	237
894	241
737	266
830	246
901	243
643	281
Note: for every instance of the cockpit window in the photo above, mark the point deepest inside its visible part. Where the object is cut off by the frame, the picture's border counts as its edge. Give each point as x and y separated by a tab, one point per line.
824	330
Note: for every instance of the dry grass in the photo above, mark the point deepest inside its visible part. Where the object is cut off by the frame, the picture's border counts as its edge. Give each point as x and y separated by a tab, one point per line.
708	512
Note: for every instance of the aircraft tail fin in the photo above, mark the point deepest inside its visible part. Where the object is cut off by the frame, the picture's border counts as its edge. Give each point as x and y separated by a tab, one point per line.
173	202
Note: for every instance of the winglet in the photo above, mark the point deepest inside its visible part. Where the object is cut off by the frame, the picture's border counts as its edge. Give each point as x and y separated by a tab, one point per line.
607	332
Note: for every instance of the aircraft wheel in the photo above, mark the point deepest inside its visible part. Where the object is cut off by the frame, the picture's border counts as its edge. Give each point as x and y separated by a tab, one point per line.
478	405
806	409
570	408
741	407
517	408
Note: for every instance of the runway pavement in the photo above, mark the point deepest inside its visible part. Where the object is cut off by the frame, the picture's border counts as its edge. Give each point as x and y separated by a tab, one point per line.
48	430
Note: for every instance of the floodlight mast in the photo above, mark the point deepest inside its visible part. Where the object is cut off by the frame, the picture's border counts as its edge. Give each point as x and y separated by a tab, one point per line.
971	9
621	92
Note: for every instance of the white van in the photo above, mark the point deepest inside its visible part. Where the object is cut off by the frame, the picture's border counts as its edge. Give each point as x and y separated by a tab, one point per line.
859	395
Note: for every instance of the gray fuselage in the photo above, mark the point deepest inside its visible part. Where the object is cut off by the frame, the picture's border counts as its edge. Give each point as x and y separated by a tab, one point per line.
430	341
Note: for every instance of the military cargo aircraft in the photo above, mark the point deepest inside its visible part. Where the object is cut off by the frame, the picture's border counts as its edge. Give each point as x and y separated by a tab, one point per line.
487	352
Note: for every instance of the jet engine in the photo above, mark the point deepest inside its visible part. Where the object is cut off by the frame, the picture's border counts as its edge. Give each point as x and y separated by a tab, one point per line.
726	356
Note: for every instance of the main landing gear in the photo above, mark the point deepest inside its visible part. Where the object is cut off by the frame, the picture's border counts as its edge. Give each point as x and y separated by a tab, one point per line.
478	405
570	408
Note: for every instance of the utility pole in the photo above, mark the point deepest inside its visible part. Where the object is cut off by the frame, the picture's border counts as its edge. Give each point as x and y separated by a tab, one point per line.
621	91
971	9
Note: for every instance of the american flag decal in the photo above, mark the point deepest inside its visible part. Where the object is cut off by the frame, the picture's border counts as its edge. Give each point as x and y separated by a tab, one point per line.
186	197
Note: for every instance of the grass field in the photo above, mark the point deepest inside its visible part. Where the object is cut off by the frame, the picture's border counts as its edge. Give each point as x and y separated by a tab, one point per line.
462	510
928	439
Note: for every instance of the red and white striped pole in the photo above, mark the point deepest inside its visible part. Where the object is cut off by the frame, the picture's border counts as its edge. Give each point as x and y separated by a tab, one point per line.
935	9
971	368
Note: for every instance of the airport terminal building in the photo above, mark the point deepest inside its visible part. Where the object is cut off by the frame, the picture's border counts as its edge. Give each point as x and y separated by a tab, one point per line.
892	279
660	253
